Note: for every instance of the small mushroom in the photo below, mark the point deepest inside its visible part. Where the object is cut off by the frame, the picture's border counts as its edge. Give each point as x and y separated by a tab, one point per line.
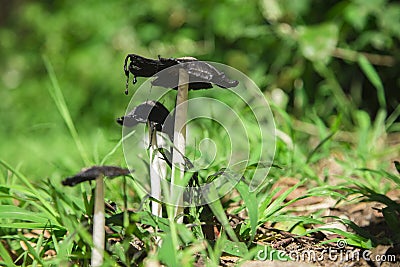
92	173
155	115
97	173
152	112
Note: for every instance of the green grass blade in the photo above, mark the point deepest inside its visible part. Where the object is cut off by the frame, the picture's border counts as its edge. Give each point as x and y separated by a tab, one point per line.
342	102
379	128
351	238
167	252
215	254
27	225
383	173
5	256
250	200
32	188
31	250
297	219
238	249
58	97
374	78
39	245
326	139
219	212
114	149
391	119
391	216
55	243
278	203
11	212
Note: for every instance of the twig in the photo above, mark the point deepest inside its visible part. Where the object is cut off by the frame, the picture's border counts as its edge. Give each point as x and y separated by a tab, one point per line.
375	59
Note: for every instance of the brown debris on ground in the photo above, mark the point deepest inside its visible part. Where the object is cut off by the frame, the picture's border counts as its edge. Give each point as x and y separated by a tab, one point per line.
309	251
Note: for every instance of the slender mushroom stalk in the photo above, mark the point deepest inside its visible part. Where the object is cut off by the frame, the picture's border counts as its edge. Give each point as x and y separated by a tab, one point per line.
97	173
158	170
98	223
178	152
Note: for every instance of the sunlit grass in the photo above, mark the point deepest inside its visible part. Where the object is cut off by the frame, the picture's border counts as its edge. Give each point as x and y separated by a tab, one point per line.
34	201
66	213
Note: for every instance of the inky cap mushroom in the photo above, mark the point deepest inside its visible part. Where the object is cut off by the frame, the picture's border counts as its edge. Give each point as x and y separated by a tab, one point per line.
149	111
92	173
201	74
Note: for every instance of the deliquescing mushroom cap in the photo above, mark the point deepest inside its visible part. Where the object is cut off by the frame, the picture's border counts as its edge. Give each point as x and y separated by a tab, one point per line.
202	75
150	111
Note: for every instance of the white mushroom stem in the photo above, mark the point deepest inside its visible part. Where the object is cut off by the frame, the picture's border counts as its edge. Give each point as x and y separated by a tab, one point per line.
98	223
158	170
178	163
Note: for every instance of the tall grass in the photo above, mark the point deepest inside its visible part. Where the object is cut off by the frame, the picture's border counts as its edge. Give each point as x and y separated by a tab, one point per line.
58	97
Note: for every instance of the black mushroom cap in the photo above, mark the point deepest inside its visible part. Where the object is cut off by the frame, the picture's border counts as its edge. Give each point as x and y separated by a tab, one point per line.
92	173
153	112
201	74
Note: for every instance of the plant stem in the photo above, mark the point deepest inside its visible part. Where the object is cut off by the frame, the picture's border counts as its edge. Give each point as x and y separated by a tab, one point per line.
98	223
178	163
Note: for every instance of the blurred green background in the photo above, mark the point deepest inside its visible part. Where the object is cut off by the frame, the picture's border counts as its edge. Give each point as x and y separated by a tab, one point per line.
311	57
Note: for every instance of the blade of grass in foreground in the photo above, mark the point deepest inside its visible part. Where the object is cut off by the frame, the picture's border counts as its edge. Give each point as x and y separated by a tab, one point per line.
32	188
58	97
269	208
31	250
219	213
374	78
12	212
250	199
5	256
